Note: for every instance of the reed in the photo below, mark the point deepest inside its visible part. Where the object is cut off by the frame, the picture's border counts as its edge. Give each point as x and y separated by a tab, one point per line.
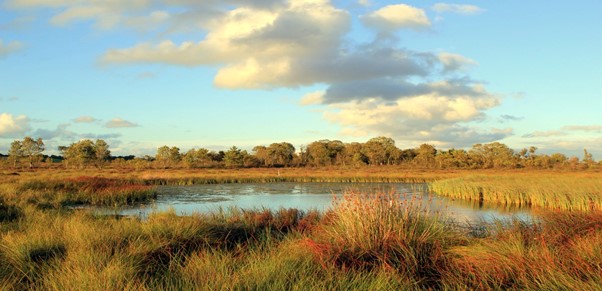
559	192
385	231
82	190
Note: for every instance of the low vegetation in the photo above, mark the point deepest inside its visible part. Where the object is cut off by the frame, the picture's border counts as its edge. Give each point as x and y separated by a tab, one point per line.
367	241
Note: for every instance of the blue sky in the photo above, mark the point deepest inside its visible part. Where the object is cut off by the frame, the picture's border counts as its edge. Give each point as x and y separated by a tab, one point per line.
146	73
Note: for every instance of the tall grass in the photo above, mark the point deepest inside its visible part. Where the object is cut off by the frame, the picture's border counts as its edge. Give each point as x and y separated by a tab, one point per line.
385	232
380	241
583	193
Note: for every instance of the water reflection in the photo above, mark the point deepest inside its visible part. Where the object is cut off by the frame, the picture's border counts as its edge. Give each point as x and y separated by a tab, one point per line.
186	200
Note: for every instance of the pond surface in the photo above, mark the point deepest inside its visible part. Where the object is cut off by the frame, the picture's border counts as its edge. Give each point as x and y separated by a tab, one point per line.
187	200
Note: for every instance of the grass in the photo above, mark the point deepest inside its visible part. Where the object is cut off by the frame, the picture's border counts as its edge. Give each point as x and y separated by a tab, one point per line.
576	191
83	190
367	241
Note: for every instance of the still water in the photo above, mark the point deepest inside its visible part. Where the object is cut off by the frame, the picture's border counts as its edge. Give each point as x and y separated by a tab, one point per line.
187	200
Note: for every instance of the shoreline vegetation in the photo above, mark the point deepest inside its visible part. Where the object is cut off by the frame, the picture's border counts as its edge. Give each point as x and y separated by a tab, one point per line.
373	241
366	241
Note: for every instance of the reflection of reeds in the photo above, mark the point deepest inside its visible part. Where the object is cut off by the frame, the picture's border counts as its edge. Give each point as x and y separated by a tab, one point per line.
582	193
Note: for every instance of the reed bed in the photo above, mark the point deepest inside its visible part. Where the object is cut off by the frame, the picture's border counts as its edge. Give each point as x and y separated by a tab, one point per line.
54	193
557	192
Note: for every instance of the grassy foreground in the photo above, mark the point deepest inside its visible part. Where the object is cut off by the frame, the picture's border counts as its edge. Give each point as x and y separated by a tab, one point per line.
372	242
367	241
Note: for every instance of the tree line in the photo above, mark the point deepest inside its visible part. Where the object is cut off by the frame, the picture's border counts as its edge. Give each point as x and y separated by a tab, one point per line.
377	151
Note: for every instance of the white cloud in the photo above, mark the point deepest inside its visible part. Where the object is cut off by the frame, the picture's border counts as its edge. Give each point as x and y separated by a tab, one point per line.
457	8
9	48
85	119
13	126
424	118
120	123
394	17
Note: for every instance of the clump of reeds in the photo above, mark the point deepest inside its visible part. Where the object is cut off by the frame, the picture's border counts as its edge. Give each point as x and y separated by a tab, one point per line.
561	250
384	231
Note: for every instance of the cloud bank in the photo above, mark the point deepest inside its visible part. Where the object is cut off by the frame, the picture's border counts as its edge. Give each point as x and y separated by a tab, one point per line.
371	87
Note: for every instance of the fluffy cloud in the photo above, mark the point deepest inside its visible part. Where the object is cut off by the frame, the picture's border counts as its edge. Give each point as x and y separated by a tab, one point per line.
457	8
430	117
394	17
12	126
120	123
9	48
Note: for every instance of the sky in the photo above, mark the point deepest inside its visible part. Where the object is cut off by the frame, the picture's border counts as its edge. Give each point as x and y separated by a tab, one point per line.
216	73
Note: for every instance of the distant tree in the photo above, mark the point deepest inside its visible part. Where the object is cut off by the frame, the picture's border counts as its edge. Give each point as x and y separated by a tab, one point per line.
588	159
425	156
492	155
168	157
381	151
15	153
101	152
353	156
28	148
32	149
452	158
325	152
79	154
234	157
197	158
261	154
280	154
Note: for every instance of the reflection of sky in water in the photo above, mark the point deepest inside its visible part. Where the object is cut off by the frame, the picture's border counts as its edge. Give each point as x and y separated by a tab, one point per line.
186	200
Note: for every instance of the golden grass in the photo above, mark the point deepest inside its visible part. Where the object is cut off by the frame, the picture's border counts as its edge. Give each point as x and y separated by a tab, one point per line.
566	191
368	241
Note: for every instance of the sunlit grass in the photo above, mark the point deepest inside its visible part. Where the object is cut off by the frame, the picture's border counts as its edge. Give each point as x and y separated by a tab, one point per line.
367	241
581	192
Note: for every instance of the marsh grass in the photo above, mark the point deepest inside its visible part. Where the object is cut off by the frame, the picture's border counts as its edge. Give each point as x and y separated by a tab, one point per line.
385	232
83	190
367	241
571	192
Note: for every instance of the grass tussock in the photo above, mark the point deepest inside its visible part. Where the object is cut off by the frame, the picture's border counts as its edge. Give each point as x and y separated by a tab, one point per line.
385	232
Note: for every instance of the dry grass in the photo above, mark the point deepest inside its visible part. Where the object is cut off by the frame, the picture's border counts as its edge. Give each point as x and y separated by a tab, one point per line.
567	191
